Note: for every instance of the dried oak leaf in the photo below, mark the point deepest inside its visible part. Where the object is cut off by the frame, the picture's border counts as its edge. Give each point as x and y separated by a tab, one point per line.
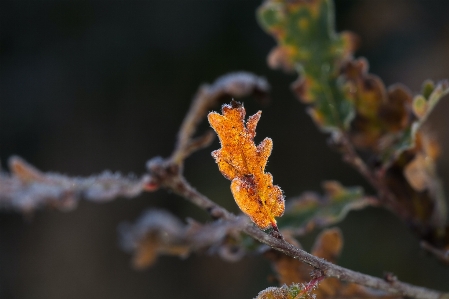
242	162
328	245
383	117
158	232
412	176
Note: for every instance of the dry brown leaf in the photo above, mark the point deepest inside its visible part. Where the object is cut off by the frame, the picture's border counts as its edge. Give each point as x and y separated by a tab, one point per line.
381	115
242	162
158	232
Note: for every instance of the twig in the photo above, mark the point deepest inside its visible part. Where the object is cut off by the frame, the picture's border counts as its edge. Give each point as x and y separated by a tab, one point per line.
236	85
26	188
332	270
442	255
350	156
166	174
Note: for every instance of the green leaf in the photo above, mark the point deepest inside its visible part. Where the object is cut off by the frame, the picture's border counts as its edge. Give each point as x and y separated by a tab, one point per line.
307	42
311	211
430	95
422	106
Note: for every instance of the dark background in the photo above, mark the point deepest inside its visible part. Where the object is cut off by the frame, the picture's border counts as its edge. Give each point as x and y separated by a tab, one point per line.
92	85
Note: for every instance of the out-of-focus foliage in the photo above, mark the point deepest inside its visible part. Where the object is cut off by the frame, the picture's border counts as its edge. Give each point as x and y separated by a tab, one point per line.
380	131
328	245
242	162
159	232
310	210
27	188
307	42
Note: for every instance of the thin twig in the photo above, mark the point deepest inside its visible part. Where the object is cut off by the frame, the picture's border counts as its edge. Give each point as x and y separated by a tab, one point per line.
26	188
350	156
442	255
236	85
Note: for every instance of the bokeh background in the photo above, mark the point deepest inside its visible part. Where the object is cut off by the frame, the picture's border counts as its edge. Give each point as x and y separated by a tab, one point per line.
92	85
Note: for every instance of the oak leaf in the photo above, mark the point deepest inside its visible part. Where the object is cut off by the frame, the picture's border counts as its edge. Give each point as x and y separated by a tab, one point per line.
158	232
307	42
311	210
242	162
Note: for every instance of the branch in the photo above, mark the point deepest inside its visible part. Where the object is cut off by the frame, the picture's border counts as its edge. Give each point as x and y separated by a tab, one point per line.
332	270
236	85
350	156
440	254
27	188
167	173
172	179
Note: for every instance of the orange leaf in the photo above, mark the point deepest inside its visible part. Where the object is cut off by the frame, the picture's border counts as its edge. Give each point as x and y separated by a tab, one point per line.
242	162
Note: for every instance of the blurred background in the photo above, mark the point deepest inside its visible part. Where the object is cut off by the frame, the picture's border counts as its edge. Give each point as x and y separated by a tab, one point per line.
92	85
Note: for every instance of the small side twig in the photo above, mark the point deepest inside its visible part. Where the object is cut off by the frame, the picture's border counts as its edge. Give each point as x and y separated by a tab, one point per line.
442	255
236	85
311	285
168	172
350	156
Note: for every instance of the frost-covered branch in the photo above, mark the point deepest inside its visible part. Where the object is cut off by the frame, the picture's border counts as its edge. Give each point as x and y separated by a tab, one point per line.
27	188
235	85
175	182
167	173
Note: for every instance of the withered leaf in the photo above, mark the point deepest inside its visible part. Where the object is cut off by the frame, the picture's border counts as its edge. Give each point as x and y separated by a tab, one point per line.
158	232
412	176
382	116
242	162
